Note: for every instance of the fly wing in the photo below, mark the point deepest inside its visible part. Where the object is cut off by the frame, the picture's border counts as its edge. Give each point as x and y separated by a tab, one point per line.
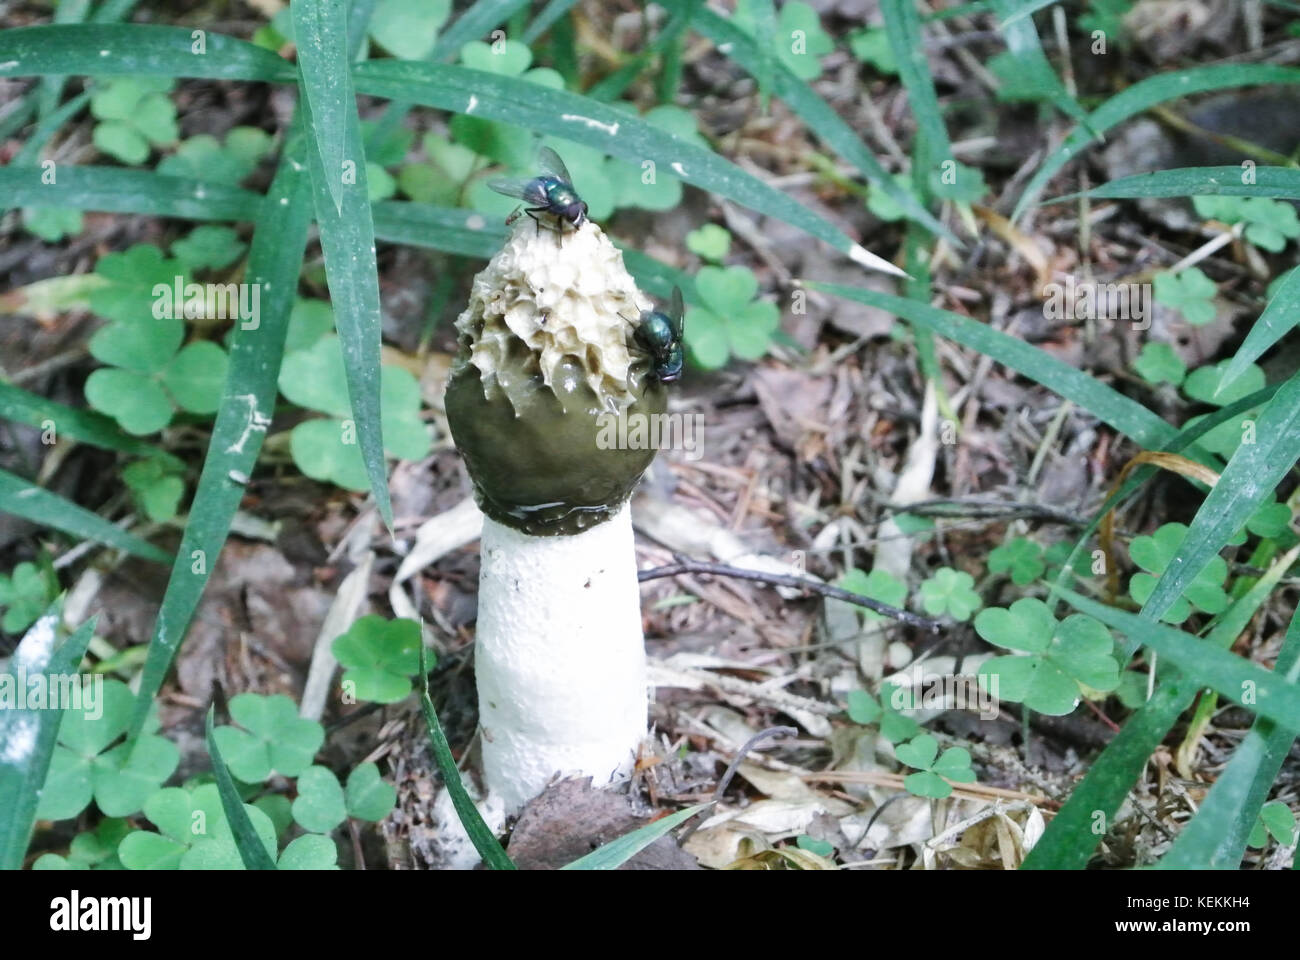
531	190
678	313
551	163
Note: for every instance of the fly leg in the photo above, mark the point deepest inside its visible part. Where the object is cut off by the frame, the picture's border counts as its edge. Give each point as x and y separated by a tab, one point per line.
533	212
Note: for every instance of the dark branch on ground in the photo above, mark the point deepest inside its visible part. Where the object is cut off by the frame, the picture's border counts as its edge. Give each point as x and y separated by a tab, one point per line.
683	565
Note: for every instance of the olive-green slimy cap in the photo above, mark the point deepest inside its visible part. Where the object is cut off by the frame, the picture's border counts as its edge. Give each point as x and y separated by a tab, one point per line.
546	367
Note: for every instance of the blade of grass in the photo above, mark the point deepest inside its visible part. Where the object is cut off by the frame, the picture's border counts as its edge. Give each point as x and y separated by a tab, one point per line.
51	88
22	498
820	117
1250	476
474	24
121	49
163	50
1143	95
20	406
249	844
28	735
1216	837
468	234
612	855
1103	402
274	262
903	28
347	239
764	16
485	842
449	229
512	100
115	190
552	12
111	11
320	30
1236	678
1279	318
1072	836
1186	437
1079	825
613	86
1024	45
1026	9
1281	183
30	151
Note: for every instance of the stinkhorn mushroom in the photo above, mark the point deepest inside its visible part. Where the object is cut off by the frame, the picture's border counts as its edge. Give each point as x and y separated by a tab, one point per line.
548	362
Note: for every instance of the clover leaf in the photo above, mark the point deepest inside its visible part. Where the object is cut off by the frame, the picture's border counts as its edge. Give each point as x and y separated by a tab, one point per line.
52	224
1269	223
883	205
24	595
156	486
1058	657
273	738
209	247
90	850
871	45
1274	818
381	656
1154	553
1015	83
1106	17
408	29
950	591
322	804
646	185
1021	558
878	585
309	320
1159	363
217	849
1058	553
134	113
935	771
865	709
367	795
1270	520
862	707
149	373
799	40
958	182
326	449
206	158
442	180
502	142
311	851
183	817
1205	384
1190	292
709	242
319	806
83	766
194	834
731	321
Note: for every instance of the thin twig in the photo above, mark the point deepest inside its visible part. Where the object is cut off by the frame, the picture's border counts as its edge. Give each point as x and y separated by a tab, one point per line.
727	777
798	583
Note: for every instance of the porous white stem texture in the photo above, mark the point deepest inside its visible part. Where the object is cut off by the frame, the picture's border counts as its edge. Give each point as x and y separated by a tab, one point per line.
560	657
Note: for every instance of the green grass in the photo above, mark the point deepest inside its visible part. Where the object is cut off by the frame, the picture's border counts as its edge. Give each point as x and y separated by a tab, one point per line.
321	177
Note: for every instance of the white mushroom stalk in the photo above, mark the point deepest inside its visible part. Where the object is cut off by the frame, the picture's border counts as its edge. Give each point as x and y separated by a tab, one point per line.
547	357
560	657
